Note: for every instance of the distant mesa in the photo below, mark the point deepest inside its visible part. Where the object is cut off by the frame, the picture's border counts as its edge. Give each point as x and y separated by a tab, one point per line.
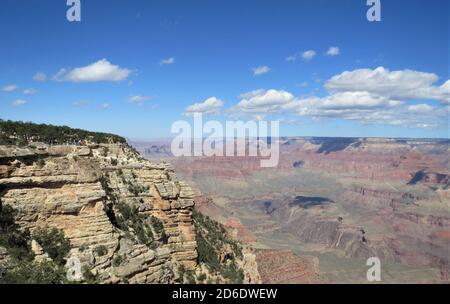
430	177
328	145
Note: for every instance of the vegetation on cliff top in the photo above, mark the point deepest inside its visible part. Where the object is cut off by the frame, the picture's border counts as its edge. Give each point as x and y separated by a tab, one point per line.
22	133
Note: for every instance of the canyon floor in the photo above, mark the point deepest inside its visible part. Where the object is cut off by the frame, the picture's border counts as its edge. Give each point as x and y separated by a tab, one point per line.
329	205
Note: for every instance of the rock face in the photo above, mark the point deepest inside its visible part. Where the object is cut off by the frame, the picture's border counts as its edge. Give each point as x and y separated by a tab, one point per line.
64	187
284	267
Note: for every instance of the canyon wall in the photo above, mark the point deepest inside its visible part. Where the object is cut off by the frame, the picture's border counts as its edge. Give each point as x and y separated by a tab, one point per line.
80	189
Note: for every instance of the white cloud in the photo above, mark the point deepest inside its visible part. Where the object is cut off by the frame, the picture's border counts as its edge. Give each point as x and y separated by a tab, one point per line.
101	70
362	106
170	60
105	106
426	126
339	103
210	106
138	99
388	115
292	58
261	70
29	91
420	108
18	102
303	84
40	76
333	51
9	88
402	85
308	55
356	100
263	101
258	117
367	96
79	103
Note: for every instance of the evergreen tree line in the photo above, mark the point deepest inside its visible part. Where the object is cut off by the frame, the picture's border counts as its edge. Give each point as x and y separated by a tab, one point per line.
22	133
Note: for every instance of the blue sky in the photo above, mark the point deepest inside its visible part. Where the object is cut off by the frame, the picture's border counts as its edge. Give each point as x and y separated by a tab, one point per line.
134	67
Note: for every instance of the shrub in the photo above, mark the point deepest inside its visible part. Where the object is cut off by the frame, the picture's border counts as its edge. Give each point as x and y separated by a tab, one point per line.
104	151
53	242
40	163
88	276
17	242
201	277
186	276
211	237
181	272
117	261
21	268
126	211
7	214
157	224
129	217
101	250
83	248
29	272
190	278
114	162
136	189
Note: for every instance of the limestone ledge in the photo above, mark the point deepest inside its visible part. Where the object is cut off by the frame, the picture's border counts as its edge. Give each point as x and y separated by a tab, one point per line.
60	186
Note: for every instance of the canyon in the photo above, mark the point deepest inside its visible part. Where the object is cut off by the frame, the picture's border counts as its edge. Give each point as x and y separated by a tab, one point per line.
331	203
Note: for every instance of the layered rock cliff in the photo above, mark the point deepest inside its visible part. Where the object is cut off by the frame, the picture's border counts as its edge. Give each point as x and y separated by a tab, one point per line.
128	220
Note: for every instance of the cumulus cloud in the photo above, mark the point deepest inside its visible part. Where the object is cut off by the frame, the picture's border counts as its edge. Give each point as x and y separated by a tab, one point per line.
101	70
29	91
263	101
210	106
367	96
418	108
308	55
138	99
357	100
40	76
170	60
389	115
402	85
18	102
292	58
9	88
261	70
333	51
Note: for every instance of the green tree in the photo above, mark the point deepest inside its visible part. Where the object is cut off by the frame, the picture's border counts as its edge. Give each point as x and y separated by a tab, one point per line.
53	242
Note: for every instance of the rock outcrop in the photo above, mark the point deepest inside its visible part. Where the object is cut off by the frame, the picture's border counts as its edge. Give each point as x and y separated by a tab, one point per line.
77	189
284	267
